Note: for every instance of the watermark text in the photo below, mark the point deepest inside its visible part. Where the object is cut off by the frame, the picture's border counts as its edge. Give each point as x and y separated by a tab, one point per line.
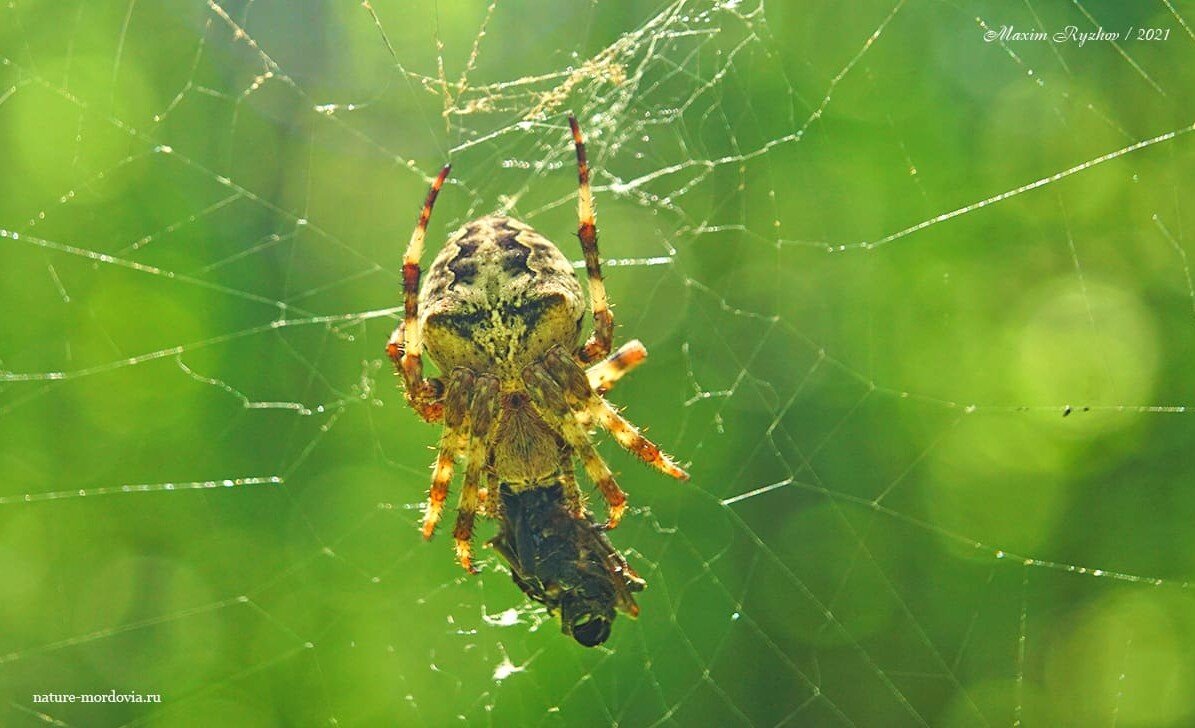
1071	34
109	697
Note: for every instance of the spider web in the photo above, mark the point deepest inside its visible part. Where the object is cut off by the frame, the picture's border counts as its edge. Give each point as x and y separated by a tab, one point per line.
919	311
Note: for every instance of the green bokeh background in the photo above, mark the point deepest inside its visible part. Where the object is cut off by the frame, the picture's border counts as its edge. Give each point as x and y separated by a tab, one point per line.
971	442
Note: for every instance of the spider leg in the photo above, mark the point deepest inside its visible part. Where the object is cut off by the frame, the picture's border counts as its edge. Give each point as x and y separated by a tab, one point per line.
405	347
548	399
430	411
456	404
490	497
603	375
573	498
602	338
481	420
582	397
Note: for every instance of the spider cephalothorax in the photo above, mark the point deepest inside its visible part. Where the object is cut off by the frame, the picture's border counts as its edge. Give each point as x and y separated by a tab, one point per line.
501	315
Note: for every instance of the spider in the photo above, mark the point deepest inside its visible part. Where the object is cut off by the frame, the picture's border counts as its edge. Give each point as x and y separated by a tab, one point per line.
501	314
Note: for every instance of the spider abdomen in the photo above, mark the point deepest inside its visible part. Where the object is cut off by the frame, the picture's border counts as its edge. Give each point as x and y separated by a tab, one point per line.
497	297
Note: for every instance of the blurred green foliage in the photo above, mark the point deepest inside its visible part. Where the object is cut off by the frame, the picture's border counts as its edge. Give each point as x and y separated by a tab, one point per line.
941	465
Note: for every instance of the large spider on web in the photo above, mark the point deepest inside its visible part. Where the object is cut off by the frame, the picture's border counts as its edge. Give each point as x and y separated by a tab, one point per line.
501	314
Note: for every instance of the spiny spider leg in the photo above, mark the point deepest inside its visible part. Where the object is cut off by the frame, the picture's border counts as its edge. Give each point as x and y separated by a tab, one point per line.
482	415
549	401
423	394
606	373
455	408
603	375
573	498
582	397
602	338
489	498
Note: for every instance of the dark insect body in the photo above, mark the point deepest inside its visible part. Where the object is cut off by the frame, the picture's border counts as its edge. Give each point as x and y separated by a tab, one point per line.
565	563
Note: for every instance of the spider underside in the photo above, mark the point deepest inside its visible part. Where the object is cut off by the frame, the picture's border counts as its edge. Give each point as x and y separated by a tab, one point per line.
501	314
